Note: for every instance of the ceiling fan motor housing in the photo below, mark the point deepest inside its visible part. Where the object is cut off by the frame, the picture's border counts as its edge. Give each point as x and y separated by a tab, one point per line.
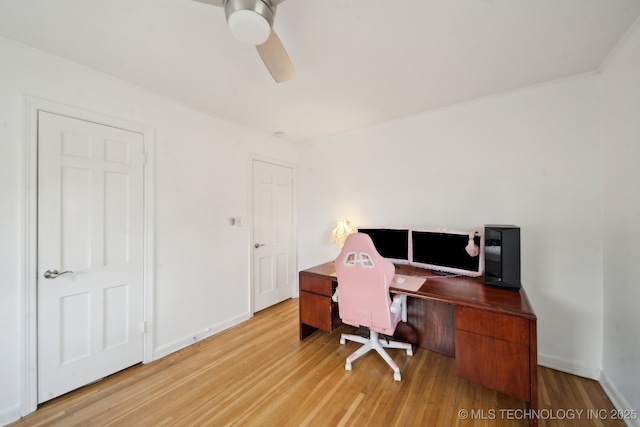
250	21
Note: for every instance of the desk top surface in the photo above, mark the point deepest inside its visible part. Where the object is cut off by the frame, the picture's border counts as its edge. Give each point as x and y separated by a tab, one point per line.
459	290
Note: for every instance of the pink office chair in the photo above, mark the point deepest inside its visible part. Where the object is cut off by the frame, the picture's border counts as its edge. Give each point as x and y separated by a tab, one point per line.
363	299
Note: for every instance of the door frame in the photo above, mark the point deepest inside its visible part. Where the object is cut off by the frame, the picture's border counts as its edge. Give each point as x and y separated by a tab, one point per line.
294	224
29	239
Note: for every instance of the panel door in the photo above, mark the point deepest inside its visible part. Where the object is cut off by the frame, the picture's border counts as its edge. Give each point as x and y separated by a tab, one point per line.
273	234
90	252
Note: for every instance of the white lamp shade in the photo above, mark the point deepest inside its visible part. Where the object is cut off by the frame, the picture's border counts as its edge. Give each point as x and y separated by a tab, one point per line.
340	233
249	27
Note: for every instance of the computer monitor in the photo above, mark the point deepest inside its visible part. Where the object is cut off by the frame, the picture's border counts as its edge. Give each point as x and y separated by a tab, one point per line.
445	251
391	243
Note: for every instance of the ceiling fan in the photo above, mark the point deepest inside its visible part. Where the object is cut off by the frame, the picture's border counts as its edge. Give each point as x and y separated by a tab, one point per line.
251	21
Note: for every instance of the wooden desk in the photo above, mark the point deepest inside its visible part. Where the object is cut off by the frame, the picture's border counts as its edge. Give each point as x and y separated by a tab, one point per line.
491	332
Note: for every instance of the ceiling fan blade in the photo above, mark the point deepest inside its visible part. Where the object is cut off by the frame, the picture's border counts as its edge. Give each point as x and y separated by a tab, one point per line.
276	59
213	2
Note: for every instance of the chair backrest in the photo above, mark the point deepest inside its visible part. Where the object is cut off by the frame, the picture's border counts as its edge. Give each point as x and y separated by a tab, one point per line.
363	283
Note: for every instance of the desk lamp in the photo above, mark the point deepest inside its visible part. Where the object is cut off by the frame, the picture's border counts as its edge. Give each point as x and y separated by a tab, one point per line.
340	233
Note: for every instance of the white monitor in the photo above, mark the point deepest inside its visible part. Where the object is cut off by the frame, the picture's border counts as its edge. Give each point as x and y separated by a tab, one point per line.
445	251
391	243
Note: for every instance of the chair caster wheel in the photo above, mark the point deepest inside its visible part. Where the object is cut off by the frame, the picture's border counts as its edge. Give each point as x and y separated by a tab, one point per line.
347	366
409	352
342	341
396	376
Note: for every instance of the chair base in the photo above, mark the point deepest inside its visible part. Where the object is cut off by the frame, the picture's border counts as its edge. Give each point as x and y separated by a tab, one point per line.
375	343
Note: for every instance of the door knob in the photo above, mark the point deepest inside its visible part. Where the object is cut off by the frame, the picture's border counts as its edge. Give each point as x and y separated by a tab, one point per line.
52	274
257	245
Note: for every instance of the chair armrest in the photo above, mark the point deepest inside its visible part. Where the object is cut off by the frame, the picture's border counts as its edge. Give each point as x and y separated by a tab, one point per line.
399	304
396	304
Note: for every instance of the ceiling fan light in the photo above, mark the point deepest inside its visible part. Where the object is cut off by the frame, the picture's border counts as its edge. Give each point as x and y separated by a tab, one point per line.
249	27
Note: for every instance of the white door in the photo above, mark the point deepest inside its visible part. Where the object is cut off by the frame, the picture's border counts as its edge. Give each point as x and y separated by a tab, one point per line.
272	234
90	252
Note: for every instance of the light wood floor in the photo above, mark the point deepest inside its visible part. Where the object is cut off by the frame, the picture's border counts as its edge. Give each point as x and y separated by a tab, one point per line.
260	374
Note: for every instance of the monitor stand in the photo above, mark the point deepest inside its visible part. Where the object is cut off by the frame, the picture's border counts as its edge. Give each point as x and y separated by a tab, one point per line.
443	273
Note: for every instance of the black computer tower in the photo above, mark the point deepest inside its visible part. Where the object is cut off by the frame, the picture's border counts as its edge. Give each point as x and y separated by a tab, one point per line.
502	256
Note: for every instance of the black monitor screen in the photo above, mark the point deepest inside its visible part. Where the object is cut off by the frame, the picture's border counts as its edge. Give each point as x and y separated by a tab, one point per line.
442	249
391	243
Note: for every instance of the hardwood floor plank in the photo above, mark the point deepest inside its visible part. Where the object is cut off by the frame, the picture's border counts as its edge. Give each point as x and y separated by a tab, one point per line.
260	374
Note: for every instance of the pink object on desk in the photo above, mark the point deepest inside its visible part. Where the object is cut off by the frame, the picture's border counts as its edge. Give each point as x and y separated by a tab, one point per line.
408	283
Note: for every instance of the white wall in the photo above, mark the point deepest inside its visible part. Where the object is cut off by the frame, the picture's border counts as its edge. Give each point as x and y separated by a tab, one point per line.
621	184
201	180
530	158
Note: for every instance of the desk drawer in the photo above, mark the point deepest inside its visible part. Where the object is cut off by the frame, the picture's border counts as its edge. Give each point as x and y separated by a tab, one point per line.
497	325
498	364
316	285
316	310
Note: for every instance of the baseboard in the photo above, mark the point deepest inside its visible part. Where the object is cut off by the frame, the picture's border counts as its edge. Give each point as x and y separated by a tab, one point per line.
193	338
10	414
563	365
618	400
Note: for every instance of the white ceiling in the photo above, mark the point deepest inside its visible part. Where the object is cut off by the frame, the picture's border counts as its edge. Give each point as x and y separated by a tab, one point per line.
358	62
